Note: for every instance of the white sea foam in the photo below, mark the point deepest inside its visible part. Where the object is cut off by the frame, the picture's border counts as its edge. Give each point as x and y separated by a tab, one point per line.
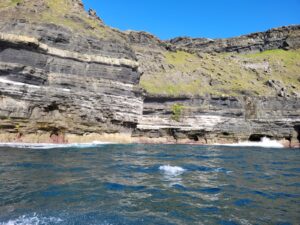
264	143
33	219
51	146
172	170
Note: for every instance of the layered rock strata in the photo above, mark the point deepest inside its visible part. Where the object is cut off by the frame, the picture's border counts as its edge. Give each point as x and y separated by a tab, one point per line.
210	120
278	38
66	77
56	82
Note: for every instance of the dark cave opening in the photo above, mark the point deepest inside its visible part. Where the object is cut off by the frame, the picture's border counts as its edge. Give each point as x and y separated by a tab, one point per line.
257	137
52	107
195	138
55	131
297	129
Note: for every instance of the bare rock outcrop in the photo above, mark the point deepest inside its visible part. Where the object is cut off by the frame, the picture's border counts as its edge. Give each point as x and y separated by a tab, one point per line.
287	37
210	120
54	81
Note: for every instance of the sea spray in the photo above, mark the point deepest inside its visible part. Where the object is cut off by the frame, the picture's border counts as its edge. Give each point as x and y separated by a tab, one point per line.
172	170
264	143
33	219
52	146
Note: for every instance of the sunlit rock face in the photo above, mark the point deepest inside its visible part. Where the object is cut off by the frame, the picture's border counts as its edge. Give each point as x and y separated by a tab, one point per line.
257	109
210	120
284	37
57	81
65	77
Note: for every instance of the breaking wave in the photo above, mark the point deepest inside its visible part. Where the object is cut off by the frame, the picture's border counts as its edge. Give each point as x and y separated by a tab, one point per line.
264	143
34	219
52	146
172	170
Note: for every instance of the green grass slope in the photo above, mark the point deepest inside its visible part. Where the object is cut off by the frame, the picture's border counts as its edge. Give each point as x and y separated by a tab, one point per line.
60	12
228	74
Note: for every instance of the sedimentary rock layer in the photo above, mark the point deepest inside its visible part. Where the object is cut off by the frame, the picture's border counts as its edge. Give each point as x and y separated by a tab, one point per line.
55	87
284	37
65	76
220	119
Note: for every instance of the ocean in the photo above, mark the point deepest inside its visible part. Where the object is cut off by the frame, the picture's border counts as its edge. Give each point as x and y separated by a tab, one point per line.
149	184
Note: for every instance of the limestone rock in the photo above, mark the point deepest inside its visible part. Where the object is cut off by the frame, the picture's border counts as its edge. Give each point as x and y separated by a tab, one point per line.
287	37
64	74
231	119
93	14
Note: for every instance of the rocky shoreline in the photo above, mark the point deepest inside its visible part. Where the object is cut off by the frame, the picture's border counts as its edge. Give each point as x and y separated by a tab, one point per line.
76	80
125	138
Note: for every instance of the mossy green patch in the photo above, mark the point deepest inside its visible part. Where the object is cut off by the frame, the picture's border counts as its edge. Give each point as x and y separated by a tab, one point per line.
9	3
182	61
228	74
60	12
177	110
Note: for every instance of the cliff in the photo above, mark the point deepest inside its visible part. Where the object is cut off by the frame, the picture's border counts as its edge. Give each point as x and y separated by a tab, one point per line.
67	77
56	80
218	91
278	38
209	120
263	68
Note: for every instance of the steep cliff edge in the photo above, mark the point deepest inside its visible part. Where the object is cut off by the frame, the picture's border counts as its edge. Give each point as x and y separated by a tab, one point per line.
56	80
183	66
224	90
287	38
208	120
67	77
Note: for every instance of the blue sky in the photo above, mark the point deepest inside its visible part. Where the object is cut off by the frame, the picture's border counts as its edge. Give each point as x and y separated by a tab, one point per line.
209	18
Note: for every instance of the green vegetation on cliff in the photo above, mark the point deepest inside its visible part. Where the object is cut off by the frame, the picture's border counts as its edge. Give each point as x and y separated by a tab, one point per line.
67	13
9	3
226	74
273	72
177	110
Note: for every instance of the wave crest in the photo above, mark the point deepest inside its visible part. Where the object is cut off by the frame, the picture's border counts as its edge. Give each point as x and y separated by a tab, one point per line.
172	170
264	143
34	219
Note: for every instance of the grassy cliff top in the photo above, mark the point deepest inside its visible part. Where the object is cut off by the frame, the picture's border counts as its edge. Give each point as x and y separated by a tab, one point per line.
66	13
229	74
174	73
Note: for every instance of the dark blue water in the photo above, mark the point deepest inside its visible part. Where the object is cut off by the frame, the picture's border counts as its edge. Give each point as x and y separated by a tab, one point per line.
127	184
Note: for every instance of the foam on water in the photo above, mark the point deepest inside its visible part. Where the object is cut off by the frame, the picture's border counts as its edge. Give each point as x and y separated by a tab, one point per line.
51	146
34	219
264	143
172	170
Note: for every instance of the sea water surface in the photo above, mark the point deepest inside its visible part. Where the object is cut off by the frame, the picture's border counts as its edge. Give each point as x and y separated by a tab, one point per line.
149	184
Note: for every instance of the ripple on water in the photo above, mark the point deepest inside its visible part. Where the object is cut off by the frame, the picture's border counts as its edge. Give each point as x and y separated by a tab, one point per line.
276	195
243	202
180	185
122	187
227	222
210	210
213	190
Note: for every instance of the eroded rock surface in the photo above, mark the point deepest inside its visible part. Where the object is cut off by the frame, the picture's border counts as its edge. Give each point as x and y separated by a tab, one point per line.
209	120
66	77
278	38
55	81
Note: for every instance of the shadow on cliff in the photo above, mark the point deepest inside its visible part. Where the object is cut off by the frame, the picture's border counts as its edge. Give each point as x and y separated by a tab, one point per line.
297	129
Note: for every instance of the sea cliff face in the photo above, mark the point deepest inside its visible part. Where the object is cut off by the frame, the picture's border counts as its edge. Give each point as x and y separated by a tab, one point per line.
210	120
54	81
66	77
